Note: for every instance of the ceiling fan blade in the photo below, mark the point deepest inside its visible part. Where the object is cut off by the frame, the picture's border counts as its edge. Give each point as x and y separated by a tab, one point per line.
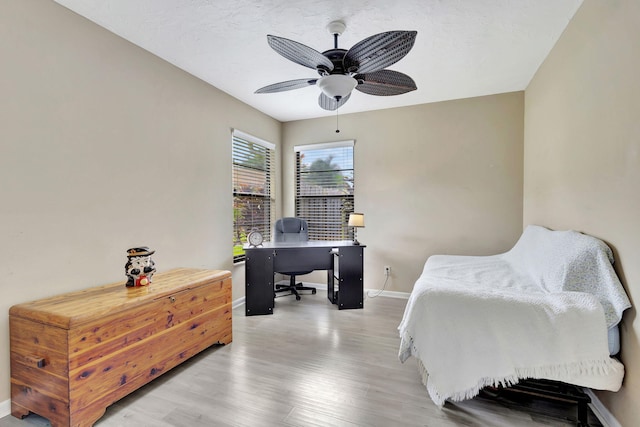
331	104
299	53
385	83
288	85
379	51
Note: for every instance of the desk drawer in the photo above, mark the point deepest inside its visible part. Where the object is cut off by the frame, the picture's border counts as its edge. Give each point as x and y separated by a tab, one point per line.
294	259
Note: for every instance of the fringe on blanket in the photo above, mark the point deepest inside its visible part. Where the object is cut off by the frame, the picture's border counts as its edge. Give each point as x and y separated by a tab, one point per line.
594	367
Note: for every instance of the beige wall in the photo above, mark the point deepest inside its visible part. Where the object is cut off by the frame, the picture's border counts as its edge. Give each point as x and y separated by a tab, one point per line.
105	146
434	178
582	154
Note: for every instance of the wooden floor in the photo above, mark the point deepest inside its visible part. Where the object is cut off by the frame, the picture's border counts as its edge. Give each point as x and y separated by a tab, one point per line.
309	364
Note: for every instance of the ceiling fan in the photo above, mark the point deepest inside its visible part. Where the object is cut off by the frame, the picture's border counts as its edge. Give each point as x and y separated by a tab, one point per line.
362	67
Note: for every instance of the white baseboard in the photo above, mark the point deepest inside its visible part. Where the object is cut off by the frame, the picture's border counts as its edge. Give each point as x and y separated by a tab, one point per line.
601	412
238	302
372	293
5	408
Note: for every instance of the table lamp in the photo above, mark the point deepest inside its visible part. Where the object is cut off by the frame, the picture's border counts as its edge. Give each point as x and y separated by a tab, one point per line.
356	220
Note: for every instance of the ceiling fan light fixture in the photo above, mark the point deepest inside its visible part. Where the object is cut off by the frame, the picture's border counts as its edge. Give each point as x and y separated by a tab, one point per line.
336	86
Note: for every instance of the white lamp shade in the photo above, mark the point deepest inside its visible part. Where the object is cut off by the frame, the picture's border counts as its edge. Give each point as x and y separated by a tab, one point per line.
356	220
336	86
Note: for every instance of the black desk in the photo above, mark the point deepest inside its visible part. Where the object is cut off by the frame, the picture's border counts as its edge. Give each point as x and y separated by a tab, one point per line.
342	259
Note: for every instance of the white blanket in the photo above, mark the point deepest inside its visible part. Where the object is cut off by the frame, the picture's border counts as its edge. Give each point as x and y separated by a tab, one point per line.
486	321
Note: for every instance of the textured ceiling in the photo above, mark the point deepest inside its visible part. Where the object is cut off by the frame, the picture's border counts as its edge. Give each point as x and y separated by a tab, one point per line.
464	48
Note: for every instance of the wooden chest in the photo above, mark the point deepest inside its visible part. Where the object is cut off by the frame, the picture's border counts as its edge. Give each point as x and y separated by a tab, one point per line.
73	355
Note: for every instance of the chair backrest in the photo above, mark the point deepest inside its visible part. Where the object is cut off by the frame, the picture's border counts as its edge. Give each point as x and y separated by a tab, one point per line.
290	229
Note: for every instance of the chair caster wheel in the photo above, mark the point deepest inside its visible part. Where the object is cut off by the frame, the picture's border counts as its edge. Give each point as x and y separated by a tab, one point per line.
313	291
298	297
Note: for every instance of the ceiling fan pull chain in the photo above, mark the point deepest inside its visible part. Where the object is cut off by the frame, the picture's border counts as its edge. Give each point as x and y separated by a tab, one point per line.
337	127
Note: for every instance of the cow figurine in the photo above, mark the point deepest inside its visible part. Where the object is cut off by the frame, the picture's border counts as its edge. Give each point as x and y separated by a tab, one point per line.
139	267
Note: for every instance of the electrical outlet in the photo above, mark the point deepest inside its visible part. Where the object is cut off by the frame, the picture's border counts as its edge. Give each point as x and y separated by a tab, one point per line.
387	270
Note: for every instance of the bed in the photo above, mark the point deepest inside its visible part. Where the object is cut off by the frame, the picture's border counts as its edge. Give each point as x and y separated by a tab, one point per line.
548	309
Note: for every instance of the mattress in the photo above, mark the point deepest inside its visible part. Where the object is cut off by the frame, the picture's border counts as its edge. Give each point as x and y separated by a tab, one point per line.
613	336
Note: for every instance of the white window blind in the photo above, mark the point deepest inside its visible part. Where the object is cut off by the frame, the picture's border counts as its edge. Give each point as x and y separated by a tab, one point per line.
253	205
325	188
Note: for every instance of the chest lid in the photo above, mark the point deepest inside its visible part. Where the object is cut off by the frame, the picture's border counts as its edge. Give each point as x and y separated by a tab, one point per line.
74	308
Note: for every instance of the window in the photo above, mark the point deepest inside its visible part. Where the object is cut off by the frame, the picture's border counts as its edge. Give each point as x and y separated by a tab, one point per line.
253	205
324	189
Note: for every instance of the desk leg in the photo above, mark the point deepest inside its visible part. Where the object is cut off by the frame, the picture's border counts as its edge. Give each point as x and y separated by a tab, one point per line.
351	277
259	292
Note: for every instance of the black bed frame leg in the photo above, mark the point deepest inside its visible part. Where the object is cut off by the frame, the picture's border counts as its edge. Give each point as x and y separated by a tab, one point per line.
583	414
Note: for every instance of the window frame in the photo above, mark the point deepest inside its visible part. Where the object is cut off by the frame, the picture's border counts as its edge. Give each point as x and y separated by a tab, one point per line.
322	226
242	146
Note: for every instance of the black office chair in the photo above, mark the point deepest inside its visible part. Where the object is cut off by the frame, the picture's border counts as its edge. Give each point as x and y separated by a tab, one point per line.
292	230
